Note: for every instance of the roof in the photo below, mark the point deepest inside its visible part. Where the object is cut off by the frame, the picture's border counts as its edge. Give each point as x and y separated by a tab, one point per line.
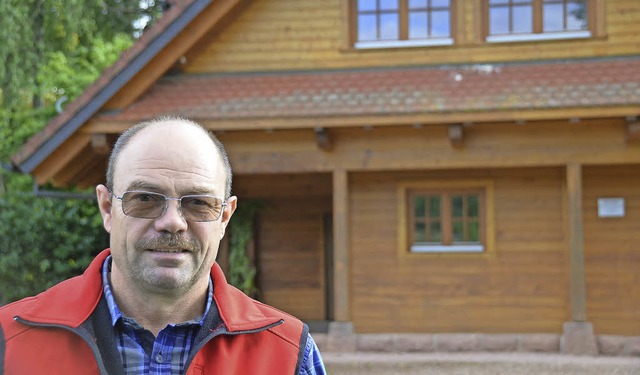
413	90
341	97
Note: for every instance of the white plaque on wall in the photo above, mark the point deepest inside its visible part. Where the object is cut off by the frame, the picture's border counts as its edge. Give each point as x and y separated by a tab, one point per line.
610	207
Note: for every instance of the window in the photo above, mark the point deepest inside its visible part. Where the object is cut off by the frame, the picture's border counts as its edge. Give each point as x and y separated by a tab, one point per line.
452	216
401	23
442	220
519	20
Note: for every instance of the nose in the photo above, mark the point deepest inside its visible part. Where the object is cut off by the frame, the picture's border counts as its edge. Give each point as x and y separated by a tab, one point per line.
171	219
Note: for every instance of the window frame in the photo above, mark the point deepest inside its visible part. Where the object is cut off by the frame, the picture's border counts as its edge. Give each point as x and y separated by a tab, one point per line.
403	40
406	245
595	9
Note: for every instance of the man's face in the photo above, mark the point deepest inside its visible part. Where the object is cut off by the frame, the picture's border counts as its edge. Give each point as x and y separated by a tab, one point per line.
167	254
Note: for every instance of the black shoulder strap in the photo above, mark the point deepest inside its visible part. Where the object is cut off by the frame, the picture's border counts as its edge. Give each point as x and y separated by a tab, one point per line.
303	345
3	346
105	338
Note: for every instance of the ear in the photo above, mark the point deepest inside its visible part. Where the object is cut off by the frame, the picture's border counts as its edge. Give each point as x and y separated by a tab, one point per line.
105	206
232	203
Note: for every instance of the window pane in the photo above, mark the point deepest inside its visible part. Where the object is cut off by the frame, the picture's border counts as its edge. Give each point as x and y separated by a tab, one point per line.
472	206
388	4
440	3
458	231
474	231
367	5
417	4
389	26
552	17
434	206
419	206
522	19
420	233
367	27
577	16
440	26
417	25
492	2
499	21
435	232
457	206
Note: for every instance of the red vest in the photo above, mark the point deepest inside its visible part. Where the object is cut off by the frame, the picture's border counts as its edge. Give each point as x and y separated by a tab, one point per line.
50	343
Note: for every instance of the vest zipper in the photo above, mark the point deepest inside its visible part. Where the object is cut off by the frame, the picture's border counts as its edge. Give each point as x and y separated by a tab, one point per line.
84	335
222	330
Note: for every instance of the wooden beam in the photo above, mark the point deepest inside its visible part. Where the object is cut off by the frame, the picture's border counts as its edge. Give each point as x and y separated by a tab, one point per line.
456	135
104	125
346	26
576	242
633	129
60	159
323	140
340	296
83	161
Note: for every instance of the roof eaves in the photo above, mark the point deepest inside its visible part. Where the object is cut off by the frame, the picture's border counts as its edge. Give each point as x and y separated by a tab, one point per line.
29	158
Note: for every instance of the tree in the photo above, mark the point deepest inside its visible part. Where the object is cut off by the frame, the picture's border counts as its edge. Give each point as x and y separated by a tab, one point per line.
35	31
51	49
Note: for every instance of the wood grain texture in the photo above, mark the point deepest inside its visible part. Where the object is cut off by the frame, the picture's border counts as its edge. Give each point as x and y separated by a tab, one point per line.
310	34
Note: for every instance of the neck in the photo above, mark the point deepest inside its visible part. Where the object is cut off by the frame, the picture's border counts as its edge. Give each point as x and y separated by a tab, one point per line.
155	310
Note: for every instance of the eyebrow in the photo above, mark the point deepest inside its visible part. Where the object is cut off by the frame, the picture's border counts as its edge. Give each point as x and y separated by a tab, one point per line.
148	186
143	185
201	190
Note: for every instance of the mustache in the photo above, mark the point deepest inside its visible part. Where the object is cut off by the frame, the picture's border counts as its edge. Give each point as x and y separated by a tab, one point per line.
168	240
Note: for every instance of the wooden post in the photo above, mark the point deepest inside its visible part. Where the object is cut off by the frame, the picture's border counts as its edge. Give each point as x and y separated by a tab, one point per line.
341	311
576	243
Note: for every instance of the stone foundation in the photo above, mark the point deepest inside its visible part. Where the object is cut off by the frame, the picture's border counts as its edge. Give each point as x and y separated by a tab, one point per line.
344	340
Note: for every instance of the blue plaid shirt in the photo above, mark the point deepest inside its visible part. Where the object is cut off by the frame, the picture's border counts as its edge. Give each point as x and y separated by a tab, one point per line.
170	350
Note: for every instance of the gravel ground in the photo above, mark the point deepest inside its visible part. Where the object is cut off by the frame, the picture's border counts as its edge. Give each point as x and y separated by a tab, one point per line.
478	364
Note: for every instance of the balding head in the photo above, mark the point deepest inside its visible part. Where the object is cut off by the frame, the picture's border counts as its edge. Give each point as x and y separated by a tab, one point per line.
130	133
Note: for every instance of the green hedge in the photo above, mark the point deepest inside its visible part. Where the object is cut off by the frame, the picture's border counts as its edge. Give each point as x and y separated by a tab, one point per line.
44	241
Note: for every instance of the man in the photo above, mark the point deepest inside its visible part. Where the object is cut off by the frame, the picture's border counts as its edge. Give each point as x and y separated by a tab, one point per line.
156	302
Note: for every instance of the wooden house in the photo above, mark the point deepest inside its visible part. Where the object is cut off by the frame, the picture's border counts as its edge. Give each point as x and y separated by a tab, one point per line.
428	166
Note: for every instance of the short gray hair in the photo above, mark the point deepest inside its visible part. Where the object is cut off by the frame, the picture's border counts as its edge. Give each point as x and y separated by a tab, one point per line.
126	136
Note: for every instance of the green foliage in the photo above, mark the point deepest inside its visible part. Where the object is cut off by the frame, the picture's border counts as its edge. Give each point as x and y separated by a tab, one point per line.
241	272
32	29
17	125
67	75
51	49
43	240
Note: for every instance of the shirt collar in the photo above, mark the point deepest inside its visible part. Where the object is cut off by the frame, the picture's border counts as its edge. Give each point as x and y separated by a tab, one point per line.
116	314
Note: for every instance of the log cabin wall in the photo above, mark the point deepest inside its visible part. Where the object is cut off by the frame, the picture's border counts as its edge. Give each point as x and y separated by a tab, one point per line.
612	250
521	286
313	34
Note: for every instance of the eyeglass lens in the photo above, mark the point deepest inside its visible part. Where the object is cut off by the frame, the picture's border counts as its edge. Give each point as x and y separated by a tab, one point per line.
147	205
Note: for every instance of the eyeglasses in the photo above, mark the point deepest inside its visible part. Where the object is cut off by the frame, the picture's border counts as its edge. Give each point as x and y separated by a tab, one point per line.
148	205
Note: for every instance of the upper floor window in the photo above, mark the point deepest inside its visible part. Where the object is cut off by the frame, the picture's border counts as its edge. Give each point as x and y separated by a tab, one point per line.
515	20
401	23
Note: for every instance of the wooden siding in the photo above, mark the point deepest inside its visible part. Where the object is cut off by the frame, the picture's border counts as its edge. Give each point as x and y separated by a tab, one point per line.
290	240
522	287
612	251
310	34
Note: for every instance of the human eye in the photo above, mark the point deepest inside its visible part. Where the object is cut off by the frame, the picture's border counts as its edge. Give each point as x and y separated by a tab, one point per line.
143	196
199	201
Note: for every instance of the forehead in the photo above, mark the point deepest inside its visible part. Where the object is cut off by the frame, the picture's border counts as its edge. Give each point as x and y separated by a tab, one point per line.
175	157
